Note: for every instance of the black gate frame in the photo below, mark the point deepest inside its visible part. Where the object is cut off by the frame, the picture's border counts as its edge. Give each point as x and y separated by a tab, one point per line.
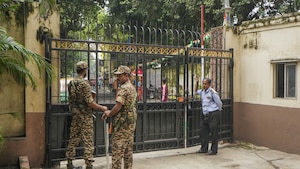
160	125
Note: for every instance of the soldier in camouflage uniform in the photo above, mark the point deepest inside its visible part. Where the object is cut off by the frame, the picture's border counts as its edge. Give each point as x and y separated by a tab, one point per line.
124	120
82	106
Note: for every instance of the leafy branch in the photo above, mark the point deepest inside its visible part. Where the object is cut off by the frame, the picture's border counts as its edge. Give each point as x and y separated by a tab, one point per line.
12	64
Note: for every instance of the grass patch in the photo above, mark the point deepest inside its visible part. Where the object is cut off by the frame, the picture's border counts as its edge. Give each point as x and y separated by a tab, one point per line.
245	145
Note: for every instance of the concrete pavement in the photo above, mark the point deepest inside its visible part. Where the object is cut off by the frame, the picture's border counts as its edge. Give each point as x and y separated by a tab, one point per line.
230	156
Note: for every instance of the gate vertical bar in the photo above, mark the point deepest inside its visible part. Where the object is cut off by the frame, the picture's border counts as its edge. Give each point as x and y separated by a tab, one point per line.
202	40
48	104
220	79
185	96
96	99
231	92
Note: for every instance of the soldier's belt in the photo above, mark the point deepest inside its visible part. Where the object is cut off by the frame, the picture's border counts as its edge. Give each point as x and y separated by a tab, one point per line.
80	106
74	106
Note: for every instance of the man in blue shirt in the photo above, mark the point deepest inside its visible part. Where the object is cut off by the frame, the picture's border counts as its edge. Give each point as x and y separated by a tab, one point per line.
211	109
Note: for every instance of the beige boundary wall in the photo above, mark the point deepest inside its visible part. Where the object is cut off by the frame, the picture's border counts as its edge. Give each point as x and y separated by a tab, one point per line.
30	139
260	117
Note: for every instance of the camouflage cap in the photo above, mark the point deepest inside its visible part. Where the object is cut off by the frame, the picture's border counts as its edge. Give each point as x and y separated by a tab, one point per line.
123	69
81	65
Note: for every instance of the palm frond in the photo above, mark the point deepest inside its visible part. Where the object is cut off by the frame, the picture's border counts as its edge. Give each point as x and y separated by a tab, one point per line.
17	69
12	64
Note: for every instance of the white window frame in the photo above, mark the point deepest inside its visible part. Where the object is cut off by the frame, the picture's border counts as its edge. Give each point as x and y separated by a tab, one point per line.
285	78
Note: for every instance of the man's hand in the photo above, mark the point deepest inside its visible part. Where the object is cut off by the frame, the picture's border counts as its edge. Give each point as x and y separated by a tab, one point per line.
105	115
104	108
197	78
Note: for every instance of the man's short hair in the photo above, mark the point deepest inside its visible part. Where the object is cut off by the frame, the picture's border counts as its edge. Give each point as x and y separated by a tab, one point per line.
207	79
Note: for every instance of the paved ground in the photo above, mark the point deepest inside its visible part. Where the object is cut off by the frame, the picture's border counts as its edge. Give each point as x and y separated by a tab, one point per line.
230	156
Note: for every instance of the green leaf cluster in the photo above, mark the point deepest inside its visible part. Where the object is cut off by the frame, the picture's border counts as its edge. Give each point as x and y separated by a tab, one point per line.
13	58
46	8
186	13
78	16
9	5
169	13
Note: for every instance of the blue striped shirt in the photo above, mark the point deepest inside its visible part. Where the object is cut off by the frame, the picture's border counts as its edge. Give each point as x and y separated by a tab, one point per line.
210	100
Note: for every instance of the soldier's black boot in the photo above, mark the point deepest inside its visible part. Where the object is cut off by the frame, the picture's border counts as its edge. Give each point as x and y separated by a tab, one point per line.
90	166
70	165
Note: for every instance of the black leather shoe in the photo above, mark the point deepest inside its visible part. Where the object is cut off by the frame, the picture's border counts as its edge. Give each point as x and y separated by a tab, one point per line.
211	153
201	151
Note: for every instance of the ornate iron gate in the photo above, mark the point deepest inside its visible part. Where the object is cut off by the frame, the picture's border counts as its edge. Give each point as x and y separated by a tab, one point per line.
160	125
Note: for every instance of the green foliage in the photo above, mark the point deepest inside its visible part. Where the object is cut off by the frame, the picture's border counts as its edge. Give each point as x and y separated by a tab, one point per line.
21	9
170	13
13	57
78	16
46	8
185	13
14	8
241	9
9	5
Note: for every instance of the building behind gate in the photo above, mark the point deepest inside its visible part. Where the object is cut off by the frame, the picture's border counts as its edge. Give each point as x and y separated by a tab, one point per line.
266	83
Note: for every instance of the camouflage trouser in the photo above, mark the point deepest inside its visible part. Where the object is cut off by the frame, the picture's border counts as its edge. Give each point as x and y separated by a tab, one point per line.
122	147
81	128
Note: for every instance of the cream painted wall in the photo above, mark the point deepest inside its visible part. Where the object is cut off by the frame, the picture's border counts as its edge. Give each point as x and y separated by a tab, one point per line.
233	41
255	45
12	94
15	98
36	99
27	132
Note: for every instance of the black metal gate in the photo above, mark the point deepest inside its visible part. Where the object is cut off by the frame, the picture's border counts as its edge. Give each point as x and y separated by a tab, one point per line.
161	124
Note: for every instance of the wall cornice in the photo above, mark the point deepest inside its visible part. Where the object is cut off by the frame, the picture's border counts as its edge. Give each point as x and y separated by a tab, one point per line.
278	22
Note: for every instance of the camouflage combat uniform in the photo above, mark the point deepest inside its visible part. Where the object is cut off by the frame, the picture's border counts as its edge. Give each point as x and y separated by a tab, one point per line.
82	119
124	126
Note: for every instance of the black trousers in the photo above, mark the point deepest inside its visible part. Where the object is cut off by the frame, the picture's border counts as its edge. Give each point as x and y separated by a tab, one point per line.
209	128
